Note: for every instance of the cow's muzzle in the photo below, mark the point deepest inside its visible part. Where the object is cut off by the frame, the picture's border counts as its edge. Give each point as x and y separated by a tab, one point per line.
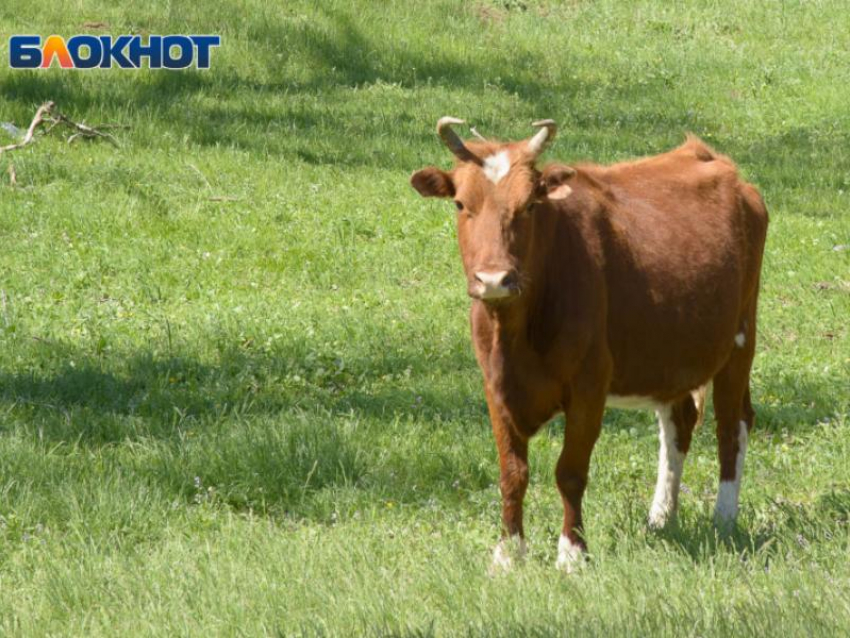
492	285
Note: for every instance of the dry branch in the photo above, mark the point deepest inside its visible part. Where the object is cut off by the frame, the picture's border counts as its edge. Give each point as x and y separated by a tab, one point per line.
83	130
47	113
44	109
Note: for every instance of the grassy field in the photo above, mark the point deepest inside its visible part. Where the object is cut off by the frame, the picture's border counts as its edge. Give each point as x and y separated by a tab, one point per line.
261	415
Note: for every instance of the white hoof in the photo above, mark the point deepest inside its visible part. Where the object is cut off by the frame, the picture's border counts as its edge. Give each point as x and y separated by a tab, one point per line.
726	509
507	554
660	516
725	514
571	557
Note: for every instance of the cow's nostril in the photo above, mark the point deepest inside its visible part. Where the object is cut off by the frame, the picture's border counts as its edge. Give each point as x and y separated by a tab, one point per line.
491	279
490	284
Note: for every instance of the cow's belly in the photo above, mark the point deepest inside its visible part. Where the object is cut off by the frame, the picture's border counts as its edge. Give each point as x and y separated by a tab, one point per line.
663	356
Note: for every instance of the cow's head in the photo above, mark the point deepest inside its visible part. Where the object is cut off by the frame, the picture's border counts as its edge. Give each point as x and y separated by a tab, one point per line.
496	189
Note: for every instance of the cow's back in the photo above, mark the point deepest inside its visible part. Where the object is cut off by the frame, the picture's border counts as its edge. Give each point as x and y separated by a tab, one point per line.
682	237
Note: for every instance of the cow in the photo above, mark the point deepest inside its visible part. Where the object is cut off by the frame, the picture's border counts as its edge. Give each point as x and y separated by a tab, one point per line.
630	285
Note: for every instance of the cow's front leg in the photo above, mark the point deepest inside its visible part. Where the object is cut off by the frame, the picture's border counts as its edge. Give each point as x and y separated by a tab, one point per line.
513	481
584	421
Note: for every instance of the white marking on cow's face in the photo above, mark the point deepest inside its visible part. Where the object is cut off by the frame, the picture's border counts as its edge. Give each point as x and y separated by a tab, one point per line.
740	339
671	461
726	509
507	553
497	166
631	402
570	555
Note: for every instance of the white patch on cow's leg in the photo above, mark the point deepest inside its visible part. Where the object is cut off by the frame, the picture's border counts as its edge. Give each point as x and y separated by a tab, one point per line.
497	166
726	509
671	461
740	339
507	553
570	555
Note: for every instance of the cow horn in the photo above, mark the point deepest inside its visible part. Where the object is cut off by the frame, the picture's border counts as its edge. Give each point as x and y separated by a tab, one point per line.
543	137
451	139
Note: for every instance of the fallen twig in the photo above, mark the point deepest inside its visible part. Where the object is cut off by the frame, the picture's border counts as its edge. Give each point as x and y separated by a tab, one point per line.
47	113
82	129
13	176
43	110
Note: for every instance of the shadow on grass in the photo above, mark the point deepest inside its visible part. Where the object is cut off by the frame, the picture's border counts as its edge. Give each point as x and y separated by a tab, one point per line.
789	524
164	391
804	403
273	429
286	114
339	54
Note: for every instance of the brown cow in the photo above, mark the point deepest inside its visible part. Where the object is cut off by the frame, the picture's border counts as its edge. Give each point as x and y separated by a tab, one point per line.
631	285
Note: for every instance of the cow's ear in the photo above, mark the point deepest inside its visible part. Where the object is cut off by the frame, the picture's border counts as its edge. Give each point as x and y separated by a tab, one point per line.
432	182
554	182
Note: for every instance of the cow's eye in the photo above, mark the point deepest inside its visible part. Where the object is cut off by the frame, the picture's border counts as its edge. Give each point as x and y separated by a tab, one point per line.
459	205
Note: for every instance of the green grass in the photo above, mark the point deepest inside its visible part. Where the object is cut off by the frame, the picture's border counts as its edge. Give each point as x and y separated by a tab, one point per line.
263	416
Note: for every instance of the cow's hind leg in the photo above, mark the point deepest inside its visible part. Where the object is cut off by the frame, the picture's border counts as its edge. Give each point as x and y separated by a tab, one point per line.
735	419
676	422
